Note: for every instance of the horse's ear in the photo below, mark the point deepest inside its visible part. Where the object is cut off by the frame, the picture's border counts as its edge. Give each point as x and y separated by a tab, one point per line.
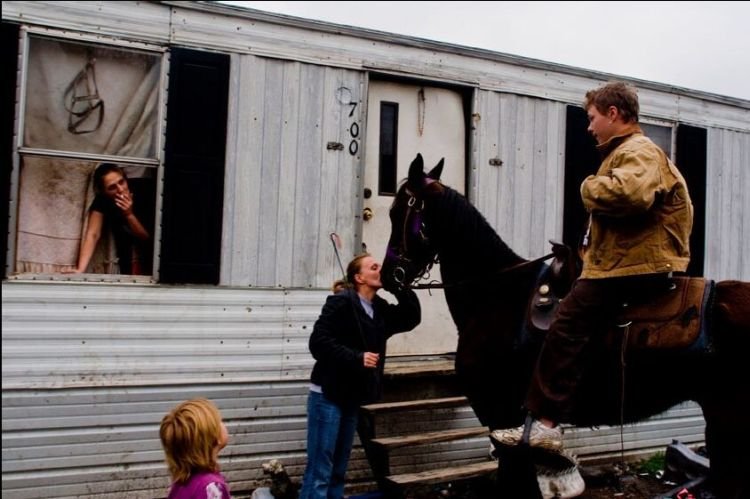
437	171
416	171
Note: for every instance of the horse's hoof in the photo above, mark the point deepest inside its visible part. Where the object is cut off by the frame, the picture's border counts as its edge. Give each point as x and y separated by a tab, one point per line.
558	475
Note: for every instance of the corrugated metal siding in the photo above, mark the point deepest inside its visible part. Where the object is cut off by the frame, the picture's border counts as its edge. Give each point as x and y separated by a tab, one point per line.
728	205
104	441
523	198
683	422
286	192
62	334
90	369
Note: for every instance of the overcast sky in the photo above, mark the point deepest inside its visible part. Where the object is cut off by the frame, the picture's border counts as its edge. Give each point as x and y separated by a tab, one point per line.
696	45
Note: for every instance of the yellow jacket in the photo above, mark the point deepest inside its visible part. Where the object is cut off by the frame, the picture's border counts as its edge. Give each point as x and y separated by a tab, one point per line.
641	213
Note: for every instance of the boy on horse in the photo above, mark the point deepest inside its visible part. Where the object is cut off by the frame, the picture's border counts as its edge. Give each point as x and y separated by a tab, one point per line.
639	227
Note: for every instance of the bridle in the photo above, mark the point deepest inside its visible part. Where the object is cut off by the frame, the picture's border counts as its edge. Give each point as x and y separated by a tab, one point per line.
414	206
403	262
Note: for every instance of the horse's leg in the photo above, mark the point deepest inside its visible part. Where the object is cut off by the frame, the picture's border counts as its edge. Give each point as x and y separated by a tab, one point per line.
729	454
492	376
516	473
727	433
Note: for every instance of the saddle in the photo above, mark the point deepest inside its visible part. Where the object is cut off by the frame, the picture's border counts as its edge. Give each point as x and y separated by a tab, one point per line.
674	320
553	283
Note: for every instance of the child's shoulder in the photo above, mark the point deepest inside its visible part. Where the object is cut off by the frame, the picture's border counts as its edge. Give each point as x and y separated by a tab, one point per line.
208	485
217	489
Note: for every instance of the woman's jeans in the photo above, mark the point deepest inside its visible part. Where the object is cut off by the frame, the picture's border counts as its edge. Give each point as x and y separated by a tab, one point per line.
330	435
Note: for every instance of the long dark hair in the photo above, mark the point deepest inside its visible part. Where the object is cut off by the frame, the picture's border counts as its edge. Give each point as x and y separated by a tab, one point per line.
101	171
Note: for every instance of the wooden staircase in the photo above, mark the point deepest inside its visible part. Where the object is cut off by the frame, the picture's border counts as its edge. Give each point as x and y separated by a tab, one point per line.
423	433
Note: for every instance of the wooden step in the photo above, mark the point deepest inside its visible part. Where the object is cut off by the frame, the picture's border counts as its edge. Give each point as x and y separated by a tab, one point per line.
430	437
411	366
414	405
441	475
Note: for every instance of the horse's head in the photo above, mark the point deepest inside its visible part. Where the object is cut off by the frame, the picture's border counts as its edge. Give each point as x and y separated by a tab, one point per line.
411	250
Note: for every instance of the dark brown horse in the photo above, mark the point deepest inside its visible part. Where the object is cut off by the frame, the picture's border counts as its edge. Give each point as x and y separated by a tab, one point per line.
488	288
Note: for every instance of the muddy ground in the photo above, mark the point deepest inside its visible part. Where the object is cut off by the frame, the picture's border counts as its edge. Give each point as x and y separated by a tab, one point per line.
602	482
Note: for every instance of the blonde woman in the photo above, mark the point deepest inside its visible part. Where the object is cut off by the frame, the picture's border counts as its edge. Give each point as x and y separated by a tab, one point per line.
192	434
348	343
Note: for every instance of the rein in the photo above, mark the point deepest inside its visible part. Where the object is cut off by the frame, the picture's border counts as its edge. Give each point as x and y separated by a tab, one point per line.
442	285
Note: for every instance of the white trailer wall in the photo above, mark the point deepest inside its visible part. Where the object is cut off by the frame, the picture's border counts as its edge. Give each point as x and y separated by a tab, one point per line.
89	369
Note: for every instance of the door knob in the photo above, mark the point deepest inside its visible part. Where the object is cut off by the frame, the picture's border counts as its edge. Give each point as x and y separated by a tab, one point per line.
367	214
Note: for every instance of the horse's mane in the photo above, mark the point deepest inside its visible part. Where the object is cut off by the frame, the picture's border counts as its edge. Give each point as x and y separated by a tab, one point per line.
464	225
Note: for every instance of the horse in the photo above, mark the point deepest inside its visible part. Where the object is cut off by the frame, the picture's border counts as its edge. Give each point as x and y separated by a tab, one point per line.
488	288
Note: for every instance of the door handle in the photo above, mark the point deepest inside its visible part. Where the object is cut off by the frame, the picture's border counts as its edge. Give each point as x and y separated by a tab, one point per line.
367	214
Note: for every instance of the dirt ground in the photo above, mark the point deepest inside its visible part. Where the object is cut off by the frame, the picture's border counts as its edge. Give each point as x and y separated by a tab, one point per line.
605	482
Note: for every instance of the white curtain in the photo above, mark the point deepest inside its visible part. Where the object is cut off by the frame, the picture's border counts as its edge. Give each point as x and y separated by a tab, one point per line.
55	194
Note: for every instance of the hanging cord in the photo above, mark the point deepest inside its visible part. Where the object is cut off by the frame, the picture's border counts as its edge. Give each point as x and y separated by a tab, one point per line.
420	111
336	242
623	366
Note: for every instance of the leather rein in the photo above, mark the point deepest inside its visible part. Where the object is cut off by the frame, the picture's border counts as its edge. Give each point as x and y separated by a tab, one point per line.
418	208
507	270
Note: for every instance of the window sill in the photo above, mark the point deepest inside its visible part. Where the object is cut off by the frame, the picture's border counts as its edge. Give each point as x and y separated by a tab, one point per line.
90	278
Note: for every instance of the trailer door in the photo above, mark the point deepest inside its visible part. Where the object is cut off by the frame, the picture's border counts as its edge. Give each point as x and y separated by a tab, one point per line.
403	120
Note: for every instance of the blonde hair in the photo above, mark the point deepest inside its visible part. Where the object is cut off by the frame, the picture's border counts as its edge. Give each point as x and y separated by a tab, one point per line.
189	435
339	285
354	267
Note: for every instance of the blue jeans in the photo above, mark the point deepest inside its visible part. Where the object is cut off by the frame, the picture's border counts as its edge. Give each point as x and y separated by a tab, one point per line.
330	436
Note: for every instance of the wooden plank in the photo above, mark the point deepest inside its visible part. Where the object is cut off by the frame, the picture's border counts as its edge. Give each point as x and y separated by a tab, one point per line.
442	475
431	367
414	405
430	437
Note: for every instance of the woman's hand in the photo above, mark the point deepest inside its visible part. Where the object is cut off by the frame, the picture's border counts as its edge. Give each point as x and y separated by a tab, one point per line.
371	359
124	201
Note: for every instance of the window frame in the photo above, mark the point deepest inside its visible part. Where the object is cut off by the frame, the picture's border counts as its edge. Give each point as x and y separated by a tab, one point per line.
26	33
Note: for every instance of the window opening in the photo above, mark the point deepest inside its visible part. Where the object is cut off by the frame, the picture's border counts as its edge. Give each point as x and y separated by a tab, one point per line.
388	148
67	136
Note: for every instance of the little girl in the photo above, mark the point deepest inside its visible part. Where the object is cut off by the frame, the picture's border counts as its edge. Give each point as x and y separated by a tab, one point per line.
192	435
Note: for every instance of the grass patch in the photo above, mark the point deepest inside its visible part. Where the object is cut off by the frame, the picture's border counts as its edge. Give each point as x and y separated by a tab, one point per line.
652	464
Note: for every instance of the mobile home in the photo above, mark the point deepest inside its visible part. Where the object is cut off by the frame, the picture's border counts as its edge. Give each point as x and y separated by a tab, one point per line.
249	138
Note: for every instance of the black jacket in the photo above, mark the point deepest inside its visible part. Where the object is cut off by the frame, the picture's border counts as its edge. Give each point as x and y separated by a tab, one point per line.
338	343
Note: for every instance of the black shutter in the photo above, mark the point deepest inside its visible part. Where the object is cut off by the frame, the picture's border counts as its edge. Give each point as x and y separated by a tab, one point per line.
581	160
691	161
194	167
10	62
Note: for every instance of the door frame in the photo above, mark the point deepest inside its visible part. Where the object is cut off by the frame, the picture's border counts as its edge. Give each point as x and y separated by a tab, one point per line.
467	95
